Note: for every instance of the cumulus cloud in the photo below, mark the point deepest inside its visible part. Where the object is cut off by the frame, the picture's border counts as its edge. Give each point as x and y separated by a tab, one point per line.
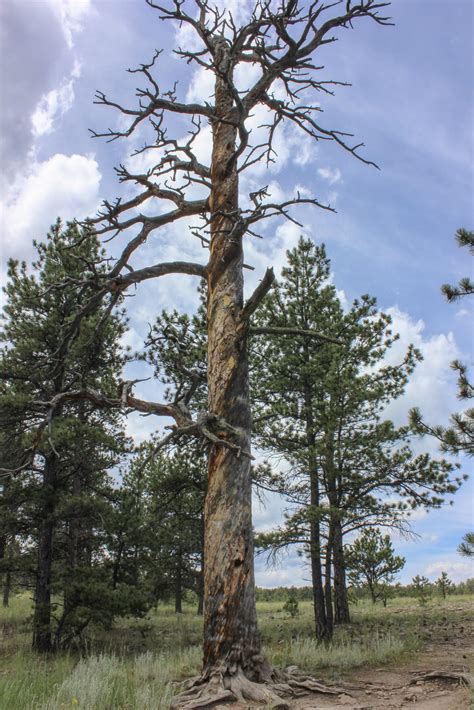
462	313
65	186
457	571
23	82
332	175
54	104
432	385
37	41
71	15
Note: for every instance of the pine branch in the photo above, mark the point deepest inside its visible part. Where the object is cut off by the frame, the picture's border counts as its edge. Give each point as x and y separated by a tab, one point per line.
294	332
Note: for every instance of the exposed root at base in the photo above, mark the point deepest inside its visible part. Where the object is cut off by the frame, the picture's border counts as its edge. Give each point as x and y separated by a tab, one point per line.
461	678
222	689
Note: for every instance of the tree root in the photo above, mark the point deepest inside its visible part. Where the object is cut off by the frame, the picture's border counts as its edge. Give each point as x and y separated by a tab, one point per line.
461	678
222	689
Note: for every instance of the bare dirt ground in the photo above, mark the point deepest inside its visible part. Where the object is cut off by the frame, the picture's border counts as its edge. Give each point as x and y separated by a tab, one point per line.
450	650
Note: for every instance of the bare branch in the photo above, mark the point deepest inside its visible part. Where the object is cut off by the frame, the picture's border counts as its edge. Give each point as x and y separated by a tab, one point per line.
259	294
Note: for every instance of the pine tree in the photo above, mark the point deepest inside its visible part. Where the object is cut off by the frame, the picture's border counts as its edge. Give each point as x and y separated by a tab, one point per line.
421	589
466	547
464	238
371	561
58	495
321	406
171	486
458	437
444	584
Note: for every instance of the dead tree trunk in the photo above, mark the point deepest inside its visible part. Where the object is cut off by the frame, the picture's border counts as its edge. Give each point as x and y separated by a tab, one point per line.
231	639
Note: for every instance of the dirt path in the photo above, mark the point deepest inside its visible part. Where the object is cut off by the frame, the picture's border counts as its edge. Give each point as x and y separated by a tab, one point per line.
389	687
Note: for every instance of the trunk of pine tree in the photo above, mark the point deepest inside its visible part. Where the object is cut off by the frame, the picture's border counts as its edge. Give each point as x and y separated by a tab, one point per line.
200	606
231	639
373	595
200	579
7	582
341	602
328	582
178	583
42	635
117	563
320	615
72	562
3	547
7	585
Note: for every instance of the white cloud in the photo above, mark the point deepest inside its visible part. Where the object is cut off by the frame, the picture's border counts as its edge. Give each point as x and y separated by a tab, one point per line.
331	175
54	104
432	385
187	37
457	571
71	14
201	86
63	186
131	339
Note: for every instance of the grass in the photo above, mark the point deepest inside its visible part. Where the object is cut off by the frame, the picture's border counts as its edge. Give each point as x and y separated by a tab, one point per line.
133	667
342	654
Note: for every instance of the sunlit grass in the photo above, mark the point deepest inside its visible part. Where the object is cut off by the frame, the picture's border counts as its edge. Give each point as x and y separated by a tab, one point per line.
342	653
144	682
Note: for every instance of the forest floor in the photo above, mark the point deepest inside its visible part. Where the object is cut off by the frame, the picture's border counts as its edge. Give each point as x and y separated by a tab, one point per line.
136	665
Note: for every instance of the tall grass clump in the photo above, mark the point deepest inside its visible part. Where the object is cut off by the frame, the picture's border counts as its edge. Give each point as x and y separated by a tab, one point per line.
105	681
310	655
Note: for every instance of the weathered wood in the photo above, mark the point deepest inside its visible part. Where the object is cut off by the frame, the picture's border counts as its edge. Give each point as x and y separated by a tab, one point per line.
231	639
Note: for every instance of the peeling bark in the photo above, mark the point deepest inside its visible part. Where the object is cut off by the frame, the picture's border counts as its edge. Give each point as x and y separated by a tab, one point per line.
231	639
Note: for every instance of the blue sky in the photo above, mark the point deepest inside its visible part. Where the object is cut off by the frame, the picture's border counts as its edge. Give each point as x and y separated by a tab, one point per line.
411	103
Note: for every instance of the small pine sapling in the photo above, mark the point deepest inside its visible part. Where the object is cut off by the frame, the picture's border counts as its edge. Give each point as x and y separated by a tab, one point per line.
421	589
444	584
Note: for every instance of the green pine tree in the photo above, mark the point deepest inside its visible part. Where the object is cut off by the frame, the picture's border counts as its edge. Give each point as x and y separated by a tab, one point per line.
458	436
371	561
59	492
444	584
321	406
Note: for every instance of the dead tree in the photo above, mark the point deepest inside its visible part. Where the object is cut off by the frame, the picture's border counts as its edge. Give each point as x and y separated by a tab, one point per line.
280	39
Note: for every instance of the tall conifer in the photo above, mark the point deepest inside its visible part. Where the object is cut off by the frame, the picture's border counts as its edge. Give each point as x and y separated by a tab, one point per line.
59	495
321	406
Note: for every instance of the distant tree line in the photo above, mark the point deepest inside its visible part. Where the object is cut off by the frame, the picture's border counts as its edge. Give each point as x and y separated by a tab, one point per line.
305	594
